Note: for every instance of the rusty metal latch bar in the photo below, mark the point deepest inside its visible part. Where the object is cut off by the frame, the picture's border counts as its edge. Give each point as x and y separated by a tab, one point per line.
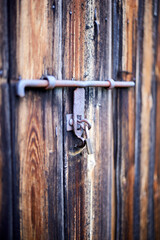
50	82
75	122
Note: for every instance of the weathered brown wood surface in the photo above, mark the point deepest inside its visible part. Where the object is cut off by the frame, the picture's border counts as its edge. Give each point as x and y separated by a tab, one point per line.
135	128
5	131
89	210
157	142
36	122
4	47
124	66
5	166
49	187
145	121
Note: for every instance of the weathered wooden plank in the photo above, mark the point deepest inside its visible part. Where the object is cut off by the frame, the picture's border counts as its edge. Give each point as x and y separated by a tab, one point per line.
145	123
147	102
124	66
74	170
37	126
157	145
5	137
3	41
5	166
146	120
38	208
89	179
37	121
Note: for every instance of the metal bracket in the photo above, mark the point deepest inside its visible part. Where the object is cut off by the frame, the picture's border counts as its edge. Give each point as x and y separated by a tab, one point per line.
76	121
78	114
78	111
69	121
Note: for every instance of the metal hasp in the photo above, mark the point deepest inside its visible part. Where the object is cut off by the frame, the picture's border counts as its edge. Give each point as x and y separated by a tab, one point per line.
50	82
75	121
78	113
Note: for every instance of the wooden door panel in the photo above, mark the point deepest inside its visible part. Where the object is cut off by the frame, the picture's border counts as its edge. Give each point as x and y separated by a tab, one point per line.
5	165
37	138
136	123
37	165
4	45
145	123
89	211
50	188
5	130
156	180
124	67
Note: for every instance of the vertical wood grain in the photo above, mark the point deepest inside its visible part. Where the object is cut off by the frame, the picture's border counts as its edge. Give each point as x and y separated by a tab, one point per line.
89	179
38	208
134	147
127	120
76	199
145	122
74	169
124	65
37	121
4	64
5	131
147	102
5	166
157	148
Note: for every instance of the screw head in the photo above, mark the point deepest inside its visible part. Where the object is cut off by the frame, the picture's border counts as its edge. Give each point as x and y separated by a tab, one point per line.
71	122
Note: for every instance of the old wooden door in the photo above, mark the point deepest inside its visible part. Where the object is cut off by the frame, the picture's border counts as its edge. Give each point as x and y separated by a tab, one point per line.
50	188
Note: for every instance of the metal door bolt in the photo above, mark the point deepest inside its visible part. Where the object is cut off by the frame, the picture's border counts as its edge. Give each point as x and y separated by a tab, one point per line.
50	82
